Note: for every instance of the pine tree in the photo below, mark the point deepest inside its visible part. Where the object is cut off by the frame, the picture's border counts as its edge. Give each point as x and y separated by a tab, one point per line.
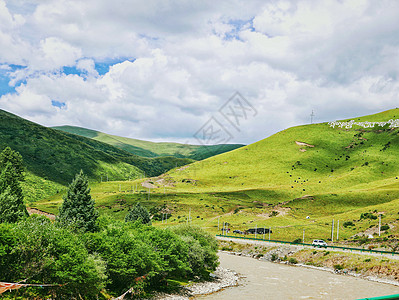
138	212
12	207
10	156
11	210
77	208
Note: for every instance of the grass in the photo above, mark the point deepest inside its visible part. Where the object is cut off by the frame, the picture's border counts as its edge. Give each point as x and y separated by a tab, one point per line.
151	149
348	172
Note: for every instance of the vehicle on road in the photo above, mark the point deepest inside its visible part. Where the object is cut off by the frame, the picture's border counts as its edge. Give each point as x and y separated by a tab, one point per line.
319	243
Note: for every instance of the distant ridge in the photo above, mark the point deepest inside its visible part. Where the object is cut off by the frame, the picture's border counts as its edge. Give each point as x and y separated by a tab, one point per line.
151	149
57	156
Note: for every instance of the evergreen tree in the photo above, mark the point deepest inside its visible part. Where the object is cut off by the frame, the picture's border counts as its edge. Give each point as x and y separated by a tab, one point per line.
13	157
138	212
11	210
12	207
77	208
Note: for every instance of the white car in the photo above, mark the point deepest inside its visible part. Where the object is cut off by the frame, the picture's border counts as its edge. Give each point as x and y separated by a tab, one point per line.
319	243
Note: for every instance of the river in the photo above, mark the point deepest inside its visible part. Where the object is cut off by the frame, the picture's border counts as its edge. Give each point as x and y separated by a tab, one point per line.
266	280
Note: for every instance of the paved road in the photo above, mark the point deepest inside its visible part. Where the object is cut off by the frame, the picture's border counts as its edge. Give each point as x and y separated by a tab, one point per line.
299	247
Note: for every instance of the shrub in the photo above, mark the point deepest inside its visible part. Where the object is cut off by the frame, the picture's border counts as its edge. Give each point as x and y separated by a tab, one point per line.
39	250
338	267
297	241
368	216
138	213
385	227
293	260
348	223
274	257
202	248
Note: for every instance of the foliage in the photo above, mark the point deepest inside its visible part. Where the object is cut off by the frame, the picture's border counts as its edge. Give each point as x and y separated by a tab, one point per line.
202	248
120	256
297	241
37	250
368	216
348	224
385	227
12	207
138	213
15	159
293	260
78	210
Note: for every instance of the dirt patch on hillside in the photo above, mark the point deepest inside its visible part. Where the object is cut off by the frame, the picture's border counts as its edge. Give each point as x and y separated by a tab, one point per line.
148	185
32	211
304	144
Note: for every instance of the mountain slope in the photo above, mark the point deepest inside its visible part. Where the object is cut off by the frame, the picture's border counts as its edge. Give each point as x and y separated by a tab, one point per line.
298	179
151	149
55	156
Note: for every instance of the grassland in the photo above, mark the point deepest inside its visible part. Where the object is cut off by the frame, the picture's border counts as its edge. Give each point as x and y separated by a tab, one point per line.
151	149
52	158
278	183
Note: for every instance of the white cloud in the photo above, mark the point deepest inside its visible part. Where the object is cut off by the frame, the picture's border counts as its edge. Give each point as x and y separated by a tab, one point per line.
179	61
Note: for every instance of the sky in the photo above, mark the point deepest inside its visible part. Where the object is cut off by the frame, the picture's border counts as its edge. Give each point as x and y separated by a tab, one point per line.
197	72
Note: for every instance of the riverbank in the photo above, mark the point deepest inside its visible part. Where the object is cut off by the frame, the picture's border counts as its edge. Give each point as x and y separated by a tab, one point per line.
261	279
222	278
371	267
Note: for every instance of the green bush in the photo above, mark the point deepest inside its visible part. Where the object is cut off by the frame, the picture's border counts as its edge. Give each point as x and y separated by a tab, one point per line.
385	227
293	260
274	257
348	223
117	257
202	248
338	267
44	253
368	216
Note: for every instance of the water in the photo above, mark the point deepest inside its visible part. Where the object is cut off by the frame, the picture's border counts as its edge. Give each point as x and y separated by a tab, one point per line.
266	280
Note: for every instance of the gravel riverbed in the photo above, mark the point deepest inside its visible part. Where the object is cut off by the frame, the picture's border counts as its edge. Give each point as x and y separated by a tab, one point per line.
222	278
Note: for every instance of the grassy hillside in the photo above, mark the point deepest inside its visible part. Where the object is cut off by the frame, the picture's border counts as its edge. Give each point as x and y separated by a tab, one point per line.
151	149
52	158
298	179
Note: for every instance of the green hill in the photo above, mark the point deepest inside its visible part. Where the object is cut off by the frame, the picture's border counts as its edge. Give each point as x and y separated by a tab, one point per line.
151	149
298	179
52	158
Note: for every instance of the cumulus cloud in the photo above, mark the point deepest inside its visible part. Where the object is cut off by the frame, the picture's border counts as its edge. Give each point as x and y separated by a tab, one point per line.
174	65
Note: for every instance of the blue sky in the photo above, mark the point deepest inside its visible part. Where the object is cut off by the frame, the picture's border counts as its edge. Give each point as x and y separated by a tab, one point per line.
161	73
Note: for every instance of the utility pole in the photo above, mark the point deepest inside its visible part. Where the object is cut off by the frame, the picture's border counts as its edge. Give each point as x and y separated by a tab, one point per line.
338	230
311	117
264	229
379	225
332	231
